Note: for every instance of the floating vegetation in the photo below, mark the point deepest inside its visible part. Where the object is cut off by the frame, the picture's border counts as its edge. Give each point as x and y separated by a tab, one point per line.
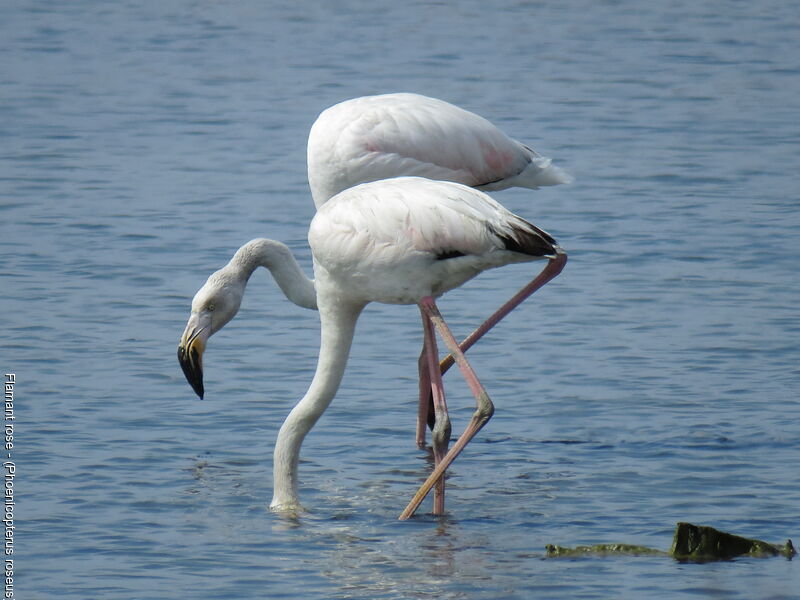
695	543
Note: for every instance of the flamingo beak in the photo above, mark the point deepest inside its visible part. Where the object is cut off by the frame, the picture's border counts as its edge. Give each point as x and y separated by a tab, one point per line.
191	348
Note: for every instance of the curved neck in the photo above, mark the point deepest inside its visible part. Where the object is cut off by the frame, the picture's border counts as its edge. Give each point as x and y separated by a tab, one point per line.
337	321
277	257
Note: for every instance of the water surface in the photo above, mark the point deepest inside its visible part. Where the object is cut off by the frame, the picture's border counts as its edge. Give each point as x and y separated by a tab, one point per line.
655	380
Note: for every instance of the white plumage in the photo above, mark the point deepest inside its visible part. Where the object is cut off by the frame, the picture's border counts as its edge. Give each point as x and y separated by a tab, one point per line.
391	135
397	240
404	240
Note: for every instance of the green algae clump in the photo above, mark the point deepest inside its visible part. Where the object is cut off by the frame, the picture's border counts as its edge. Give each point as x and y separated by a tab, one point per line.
691	543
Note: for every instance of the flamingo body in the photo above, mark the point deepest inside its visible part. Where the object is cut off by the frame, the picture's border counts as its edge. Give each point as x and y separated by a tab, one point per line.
392	135
398	240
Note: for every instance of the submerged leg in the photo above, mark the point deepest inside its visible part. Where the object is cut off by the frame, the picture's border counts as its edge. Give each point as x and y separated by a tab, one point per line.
482	414
551	270
440	435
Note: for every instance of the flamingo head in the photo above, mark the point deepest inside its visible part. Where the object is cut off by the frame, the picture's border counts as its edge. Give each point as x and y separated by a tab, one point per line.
214	304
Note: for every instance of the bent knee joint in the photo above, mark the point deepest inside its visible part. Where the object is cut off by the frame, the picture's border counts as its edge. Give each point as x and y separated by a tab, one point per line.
485	409
441	431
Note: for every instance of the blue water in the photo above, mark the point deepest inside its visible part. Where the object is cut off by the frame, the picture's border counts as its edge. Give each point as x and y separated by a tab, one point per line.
655	381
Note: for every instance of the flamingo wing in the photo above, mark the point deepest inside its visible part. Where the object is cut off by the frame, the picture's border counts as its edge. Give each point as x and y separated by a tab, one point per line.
404	229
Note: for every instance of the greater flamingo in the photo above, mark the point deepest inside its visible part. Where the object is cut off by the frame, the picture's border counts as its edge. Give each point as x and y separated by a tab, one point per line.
393	135
399	241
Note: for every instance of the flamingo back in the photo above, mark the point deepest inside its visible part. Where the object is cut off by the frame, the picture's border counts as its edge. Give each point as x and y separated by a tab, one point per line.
391	135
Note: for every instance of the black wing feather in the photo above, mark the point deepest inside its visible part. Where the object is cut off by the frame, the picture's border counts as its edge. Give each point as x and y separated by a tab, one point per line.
528	239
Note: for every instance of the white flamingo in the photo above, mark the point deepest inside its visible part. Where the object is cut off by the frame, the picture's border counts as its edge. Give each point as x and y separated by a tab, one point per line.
394	135
400	241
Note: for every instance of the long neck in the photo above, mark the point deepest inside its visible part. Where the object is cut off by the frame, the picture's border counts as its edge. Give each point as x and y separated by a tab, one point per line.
338	321
277	257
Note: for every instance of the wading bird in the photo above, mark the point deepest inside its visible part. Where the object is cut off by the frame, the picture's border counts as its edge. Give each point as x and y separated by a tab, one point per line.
395	135
399	241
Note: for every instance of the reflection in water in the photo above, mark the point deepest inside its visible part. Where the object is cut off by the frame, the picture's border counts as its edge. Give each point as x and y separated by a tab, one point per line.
426	562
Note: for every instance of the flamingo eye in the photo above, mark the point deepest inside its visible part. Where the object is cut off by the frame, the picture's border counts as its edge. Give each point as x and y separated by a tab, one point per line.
210	307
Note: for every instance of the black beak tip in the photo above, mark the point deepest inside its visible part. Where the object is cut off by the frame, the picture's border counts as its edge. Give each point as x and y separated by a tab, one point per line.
190	367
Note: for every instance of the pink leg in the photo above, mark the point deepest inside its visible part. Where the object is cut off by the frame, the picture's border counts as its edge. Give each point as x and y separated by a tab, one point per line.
441	430
483	413
425	398
553	268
